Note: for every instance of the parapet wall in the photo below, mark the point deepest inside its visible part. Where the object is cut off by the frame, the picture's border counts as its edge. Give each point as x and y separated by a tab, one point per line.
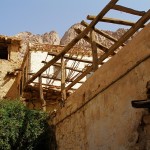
99	114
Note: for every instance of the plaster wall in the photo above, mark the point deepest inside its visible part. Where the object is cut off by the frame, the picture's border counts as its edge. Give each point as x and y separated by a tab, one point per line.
36	58
99	115
9	84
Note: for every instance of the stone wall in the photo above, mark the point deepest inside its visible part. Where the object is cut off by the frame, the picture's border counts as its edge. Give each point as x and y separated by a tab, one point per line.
99	115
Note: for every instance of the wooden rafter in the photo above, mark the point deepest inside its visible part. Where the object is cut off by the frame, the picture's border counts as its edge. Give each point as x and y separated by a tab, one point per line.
66	67
86	38
107	52
128	10
71	58
74	41
115	21
127	35
54	78
85	24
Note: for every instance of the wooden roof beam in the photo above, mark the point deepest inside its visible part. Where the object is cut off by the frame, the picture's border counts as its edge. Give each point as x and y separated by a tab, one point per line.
125	37
86	38
70	58
52	87
85	24
50	77
66	67
74	41
128	10
69	68
114	21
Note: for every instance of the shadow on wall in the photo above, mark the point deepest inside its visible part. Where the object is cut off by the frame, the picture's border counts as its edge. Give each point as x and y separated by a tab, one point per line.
13	91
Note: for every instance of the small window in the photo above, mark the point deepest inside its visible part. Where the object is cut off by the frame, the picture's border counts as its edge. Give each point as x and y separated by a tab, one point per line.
4	52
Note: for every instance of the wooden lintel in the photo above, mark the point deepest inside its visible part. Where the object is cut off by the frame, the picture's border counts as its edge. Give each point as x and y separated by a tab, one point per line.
85	24
114	20
74	41
129	10
86	38
94	50
125	37
70	58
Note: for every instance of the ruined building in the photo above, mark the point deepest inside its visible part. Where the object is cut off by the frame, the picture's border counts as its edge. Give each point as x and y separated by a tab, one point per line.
89	88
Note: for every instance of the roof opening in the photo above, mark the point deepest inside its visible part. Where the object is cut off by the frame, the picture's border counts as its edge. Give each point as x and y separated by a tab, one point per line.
4	52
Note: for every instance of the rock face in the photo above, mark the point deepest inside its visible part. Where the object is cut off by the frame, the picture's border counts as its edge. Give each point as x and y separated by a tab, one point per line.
54	39
71	34
46	38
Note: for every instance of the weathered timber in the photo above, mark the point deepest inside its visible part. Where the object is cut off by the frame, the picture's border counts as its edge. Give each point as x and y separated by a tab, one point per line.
54	78
41	94
129	10
69	68
52	87
88	70
75	40
63	79
70	58
126	36
86	38
85	24
115	21
94	50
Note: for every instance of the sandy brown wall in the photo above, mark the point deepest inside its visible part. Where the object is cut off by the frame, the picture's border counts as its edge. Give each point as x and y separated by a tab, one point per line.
9	83
99	116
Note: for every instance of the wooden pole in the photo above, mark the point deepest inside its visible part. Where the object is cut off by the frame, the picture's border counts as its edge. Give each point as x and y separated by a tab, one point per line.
94	50
63	80
87	38
129	10
71	58
114	20
101	32
41	94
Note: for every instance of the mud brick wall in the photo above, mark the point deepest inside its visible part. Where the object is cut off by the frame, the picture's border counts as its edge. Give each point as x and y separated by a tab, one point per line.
99	115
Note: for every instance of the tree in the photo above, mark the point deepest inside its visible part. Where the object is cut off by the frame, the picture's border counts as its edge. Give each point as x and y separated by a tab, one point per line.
24	129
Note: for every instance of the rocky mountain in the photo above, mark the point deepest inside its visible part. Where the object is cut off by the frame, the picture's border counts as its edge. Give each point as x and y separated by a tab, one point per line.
54	39
46	38
71	34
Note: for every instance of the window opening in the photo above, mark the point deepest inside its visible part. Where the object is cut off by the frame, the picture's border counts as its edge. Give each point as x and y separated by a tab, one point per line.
4	52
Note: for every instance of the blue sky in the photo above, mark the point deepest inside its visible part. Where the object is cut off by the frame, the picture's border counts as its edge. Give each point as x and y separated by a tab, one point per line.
40	16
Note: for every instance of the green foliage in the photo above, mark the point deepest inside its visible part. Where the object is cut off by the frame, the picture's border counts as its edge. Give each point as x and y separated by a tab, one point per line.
21	128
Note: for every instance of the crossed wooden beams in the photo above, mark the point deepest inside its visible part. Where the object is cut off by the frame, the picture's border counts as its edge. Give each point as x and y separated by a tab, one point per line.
144	17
